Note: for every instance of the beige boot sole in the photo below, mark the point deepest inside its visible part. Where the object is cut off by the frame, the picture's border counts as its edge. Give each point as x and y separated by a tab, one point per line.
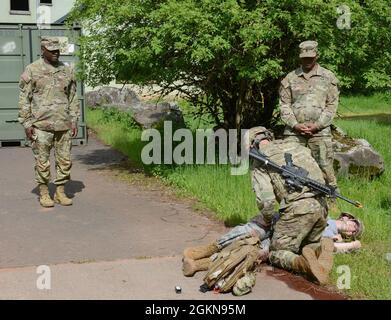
316	268
189	267
326	254
199	252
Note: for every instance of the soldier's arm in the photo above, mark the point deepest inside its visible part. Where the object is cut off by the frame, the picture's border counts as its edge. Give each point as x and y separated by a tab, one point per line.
25	97
74	105
287	115
347	247
330	110
265	195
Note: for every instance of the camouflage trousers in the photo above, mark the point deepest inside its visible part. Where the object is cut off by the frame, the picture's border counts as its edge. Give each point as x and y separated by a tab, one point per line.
301	224
322	152
243	231
43	142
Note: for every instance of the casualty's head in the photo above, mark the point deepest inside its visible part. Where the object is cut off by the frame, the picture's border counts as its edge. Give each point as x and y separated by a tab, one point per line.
351	228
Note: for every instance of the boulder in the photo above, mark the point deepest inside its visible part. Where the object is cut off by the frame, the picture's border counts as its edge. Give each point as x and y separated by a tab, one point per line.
146	114
153	115
108	97
355	156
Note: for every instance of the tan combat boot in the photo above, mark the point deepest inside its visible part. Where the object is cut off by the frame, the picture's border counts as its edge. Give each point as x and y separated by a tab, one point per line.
200	252
325	253
60	196
309	265
190	266
44	197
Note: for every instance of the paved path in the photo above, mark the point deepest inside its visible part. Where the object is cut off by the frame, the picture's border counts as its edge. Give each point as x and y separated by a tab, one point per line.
116	242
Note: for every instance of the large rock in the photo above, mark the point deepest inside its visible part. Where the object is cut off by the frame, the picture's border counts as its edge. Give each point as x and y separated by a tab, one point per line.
355	156
153	115
146	114
123	99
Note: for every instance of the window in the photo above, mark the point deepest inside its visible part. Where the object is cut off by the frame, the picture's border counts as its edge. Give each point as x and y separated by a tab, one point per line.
45	1
20	5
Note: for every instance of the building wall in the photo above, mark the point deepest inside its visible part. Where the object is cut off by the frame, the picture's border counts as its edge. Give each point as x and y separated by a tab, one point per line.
54	12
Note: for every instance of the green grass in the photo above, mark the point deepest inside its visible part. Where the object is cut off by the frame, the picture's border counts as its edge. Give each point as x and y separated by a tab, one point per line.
233	201
229	196
371	274
118	130
360	104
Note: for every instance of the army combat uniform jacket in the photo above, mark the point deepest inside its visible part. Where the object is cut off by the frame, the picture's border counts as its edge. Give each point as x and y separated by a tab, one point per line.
311	97
48	99
270	186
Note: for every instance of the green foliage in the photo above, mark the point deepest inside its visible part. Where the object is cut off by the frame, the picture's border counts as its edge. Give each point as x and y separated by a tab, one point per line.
113	115
118	129
227	57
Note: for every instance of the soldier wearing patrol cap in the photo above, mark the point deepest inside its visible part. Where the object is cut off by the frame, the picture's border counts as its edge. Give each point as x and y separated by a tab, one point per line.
49	112
308	102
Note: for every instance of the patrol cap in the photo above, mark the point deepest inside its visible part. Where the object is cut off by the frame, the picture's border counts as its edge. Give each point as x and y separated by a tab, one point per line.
308	49
360	225
50	43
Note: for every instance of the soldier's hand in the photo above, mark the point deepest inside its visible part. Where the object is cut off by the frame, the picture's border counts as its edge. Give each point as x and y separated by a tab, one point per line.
74	131
29	133
301	128
312	127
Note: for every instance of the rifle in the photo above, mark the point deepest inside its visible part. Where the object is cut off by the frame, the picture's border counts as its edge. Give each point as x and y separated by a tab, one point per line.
296	177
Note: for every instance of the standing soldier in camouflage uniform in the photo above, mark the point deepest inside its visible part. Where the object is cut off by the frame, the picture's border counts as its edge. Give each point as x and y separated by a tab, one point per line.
308	102
49	111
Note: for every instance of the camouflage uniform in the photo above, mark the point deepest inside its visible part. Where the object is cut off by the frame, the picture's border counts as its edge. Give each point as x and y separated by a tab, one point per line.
303	214
311	97
48	102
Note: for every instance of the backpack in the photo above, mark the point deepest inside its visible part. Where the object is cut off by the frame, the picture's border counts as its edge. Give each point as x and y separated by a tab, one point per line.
231	264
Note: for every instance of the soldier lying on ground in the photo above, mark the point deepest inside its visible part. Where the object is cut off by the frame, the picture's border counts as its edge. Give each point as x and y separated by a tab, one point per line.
344	231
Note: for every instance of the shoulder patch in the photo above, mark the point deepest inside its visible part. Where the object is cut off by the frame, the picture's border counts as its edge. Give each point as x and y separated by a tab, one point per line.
25	77
334	80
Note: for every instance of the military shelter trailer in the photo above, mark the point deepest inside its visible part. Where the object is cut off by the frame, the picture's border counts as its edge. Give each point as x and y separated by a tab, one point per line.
20	46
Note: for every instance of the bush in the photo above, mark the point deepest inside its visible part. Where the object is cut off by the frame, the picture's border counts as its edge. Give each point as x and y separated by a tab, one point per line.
227	57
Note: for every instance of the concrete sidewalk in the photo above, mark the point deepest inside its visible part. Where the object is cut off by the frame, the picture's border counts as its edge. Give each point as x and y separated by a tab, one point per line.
115	242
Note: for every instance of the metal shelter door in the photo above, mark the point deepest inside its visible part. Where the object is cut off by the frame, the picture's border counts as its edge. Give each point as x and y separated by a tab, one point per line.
14	56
